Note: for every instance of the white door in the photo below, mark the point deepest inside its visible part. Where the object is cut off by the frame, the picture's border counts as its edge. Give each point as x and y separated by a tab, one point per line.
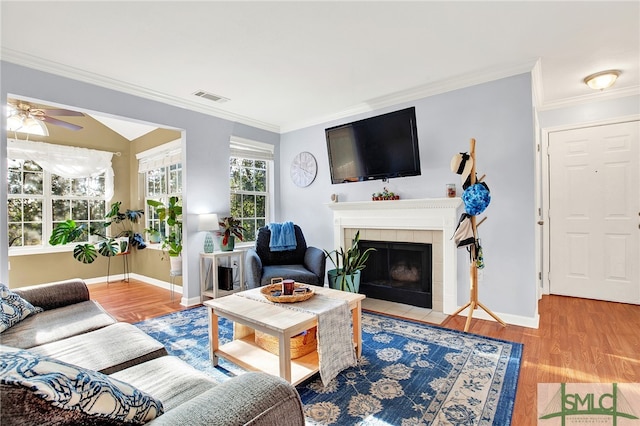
594	212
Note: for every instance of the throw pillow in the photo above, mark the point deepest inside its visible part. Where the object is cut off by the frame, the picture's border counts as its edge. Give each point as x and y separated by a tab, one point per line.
13	308
78	389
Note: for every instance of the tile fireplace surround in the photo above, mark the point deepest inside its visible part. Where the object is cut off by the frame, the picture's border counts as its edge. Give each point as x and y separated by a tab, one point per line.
429	220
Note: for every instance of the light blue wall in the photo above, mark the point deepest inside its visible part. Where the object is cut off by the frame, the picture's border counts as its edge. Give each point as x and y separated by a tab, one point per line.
499	115
205	139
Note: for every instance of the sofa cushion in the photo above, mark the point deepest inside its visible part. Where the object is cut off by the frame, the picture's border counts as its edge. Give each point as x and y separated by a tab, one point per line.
77	389
294	272
121	345
56	324
13	308
167	378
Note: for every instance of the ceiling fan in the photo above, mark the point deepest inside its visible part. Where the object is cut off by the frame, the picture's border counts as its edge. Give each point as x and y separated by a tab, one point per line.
21	112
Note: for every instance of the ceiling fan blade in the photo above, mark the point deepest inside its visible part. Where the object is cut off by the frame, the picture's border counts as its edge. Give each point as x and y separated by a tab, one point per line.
61	123
62	112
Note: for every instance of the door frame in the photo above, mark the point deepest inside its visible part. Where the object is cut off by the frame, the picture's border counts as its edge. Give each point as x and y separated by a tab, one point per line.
543	208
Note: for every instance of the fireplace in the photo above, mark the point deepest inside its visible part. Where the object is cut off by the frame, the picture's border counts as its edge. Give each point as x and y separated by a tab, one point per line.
429	221
398	272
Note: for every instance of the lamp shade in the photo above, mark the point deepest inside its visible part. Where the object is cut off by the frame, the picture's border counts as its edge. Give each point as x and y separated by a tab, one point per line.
208	222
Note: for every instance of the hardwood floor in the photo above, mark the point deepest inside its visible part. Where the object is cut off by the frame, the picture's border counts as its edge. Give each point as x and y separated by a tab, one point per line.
579	340
135	301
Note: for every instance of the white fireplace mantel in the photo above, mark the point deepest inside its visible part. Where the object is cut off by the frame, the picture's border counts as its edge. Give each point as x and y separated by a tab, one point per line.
439	214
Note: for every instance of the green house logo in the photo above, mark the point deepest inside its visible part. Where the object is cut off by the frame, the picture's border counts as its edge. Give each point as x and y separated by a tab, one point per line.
586	403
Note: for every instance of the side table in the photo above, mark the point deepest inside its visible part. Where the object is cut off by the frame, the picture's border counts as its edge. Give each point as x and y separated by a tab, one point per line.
209	268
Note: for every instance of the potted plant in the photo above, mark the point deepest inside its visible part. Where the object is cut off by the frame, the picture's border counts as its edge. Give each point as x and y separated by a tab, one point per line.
154	236
346	275
172	241
230	228
122	236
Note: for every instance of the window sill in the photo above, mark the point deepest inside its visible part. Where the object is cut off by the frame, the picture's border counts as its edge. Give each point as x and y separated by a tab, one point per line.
35	250
26	251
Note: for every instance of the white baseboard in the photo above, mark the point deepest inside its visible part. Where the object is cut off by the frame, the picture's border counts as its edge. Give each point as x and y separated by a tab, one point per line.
194	301
530	322
114	279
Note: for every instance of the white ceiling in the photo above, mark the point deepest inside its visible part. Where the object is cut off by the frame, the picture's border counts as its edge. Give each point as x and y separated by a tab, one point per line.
286	65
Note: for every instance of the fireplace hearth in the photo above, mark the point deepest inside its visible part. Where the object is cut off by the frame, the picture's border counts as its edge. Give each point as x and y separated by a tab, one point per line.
398	272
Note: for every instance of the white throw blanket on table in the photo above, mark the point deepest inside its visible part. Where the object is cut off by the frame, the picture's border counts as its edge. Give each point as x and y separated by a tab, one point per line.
335	341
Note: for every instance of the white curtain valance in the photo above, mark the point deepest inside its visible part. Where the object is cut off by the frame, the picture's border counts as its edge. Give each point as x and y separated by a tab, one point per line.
246	148
161	156
65	161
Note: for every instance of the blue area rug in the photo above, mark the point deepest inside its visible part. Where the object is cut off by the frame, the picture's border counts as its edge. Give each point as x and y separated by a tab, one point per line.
410	373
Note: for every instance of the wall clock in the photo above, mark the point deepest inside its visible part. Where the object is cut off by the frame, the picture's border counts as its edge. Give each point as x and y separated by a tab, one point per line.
303	169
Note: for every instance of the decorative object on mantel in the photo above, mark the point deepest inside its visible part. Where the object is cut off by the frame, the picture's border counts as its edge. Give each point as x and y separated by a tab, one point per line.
451	190
385	195
477	200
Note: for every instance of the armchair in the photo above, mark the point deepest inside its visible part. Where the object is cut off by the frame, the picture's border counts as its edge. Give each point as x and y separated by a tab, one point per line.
303	264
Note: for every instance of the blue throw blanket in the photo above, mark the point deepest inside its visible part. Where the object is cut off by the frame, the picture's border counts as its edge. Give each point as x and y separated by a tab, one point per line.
283	236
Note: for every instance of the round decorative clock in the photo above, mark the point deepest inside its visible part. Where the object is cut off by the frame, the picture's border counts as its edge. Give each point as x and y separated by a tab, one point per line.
303	169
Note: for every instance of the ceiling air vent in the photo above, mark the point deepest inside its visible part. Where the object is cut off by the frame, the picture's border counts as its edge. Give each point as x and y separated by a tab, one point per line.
211	96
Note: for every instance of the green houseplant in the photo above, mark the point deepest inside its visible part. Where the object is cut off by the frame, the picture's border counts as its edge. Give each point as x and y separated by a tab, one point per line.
347	264
171	214
122	236
230	228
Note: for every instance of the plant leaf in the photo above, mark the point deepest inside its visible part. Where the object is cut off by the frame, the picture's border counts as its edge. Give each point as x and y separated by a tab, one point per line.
85	253
109	248
66	232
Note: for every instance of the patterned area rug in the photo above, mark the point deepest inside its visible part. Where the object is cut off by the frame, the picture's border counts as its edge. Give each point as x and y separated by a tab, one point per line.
410	373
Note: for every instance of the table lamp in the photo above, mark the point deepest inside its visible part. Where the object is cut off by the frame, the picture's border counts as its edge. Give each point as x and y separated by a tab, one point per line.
208	222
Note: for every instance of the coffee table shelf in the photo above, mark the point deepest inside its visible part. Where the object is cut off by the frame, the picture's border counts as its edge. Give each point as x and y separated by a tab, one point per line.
245	353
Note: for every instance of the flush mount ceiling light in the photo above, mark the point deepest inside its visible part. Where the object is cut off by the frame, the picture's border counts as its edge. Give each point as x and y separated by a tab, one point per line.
602	80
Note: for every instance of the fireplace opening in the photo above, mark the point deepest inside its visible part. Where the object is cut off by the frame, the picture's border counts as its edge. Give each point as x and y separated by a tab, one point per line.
398	272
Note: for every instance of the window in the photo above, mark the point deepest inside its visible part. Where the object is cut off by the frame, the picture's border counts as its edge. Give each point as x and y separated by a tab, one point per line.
250	184
161	184
39	196
162	170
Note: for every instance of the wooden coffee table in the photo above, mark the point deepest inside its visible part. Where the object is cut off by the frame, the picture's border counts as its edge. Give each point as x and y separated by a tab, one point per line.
277	320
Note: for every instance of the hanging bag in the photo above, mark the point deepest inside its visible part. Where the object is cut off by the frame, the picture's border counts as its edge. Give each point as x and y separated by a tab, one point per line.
463	235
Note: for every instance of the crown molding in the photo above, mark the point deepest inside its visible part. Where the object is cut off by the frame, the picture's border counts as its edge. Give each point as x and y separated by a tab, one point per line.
592	97
41	64
419	92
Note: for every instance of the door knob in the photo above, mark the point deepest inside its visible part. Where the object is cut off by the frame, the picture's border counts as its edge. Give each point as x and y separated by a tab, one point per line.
541	222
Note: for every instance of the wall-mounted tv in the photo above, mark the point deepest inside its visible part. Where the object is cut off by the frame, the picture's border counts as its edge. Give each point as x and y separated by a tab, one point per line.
380	147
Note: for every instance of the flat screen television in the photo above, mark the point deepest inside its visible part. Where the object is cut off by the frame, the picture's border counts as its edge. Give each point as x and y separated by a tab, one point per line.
380	147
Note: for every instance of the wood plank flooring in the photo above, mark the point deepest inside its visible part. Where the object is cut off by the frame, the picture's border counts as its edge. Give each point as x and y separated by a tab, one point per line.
579	340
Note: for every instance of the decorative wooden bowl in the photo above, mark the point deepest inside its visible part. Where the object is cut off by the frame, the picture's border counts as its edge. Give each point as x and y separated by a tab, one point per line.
269	290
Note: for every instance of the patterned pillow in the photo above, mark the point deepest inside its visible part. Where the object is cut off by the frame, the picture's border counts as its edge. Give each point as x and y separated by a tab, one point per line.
78	389
13	308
